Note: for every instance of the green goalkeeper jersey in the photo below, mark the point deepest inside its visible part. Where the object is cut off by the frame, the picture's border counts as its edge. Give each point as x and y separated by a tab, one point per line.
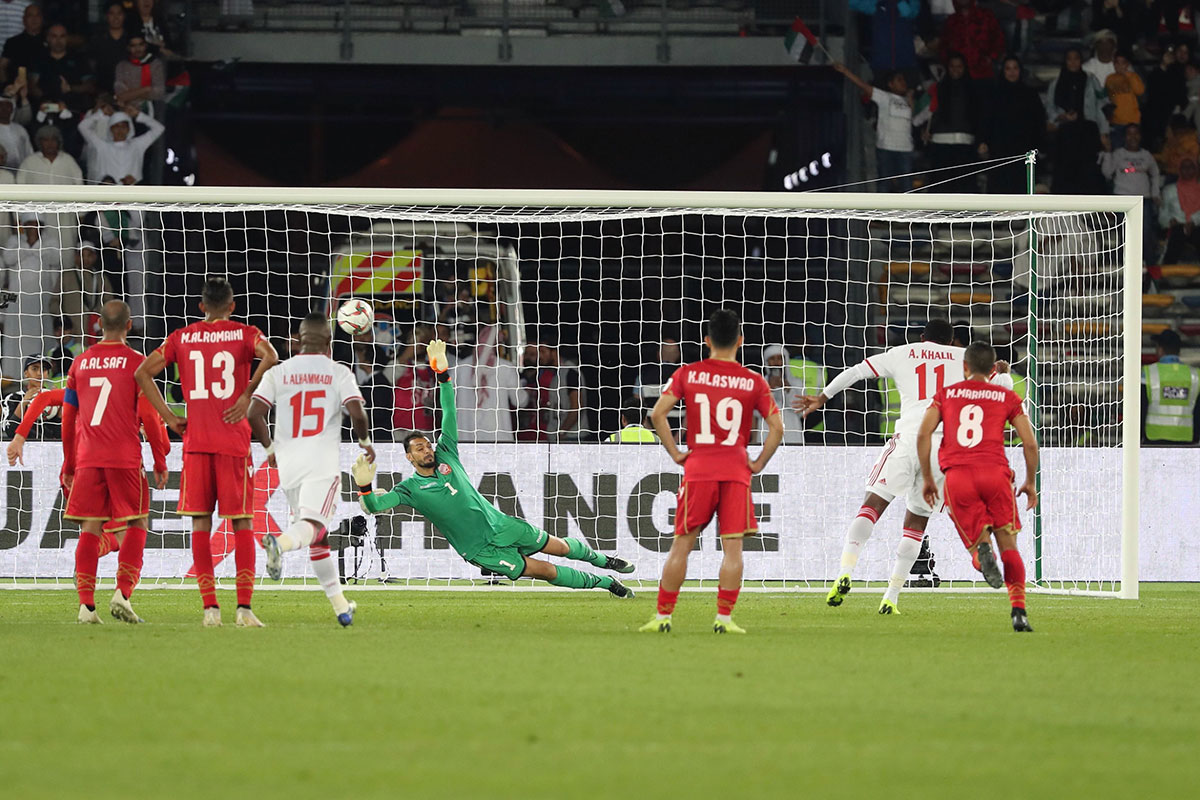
447	498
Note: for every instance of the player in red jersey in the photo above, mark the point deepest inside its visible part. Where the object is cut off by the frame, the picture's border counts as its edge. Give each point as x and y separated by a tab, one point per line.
720	396
156	435
214	358
979	482
102	467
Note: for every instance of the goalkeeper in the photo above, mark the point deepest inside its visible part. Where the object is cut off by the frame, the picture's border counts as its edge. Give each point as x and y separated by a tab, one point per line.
442	492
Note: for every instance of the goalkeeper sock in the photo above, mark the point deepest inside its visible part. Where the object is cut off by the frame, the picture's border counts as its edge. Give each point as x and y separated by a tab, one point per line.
578	579
906	555
860	531
202	559
726	598
577	550
129	560
666	602
108	543
1014	577
244	556
325	568
87	551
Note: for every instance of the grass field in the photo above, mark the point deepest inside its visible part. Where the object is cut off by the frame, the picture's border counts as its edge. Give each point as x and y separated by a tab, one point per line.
553	695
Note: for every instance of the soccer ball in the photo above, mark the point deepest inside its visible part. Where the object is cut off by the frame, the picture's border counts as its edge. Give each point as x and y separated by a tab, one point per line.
355	317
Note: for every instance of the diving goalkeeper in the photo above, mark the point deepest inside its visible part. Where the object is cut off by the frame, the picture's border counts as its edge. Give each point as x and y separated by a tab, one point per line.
440	490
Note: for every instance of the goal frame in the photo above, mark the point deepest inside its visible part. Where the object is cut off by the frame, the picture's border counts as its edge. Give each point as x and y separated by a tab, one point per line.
1130	207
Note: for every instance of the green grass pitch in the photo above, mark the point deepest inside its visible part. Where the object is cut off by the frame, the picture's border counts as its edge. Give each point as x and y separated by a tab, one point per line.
503	694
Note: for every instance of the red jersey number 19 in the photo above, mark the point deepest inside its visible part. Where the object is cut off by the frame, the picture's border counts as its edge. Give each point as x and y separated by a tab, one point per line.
304	409
970	425
223	363
728	418
102	401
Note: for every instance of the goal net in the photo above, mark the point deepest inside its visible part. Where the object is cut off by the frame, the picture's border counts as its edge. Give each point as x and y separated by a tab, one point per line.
565	313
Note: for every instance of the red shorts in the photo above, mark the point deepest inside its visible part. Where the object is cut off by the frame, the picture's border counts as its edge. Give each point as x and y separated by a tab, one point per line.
214	482
729	500
979	500
109	493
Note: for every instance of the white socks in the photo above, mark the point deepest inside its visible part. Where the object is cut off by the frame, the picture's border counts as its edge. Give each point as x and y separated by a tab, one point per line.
860	531
906	555
326	571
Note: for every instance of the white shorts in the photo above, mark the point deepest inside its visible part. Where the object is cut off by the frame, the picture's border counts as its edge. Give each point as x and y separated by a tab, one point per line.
315	499
897	472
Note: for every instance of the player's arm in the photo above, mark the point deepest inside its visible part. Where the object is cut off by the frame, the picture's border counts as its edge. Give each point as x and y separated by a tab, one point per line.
807	404
267	357
929	423
369	499
145	374
156	435
1001	376
16	448
361	426
448	441
257	416
658	418
70	409
1029	446
774	437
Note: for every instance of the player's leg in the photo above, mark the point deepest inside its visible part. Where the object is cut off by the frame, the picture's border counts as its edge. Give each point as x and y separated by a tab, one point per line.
969	514
324	566
554	574
860	530
695	506
88	505
110	538
735	520
578	550
235	502
1002	506
907	552
130	504
198	500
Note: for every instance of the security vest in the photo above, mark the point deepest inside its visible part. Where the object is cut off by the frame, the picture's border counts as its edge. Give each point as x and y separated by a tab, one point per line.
889	397
1172	390
1021	389
811	378
633	433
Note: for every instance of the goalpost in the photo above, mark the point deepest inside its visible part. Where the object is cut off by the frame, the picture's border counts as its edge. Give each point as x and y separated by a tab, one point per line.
550	296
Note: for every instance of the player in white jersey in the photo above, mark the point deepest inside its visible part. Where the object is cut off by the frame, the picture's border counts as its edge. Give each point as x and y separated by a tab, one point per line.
919	371
310	392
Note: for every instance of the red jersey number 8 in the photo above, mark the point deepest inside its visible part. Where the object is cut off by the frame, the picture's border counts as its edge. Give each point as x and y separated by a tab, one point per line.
970	425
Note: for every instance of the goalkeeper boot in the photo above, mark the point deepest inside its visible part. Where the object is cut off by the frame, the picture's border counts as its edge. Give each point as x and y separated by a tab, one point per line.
839	591
246	619
618	565
728	626
274	557
121	609
346	619
1020	621
988	566
619	589
212	617
657	625
888	607
88	616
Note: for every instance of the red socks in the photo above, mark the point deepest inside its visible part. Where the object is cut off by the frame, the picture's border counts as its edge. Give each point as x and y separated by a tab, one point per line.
1014	577
108	543
666	601
725	600
244	556
129	560
202	559
87	556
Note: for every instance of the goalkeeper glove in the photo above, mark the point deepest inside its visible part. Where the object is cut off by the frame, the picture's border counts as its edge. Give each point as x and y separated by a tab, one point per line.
437	356
363	472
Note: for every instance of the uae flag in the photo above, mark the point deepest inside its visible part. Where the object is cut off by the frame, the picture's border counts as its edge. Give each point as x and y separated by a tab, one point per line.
800	41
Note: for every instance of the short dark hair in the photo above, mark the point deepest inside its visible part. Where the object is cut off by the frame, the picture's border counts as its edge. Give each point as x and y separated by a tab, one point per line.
114	316
414	435
724	328
938	331
633	413
980	358
64	323
217	293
